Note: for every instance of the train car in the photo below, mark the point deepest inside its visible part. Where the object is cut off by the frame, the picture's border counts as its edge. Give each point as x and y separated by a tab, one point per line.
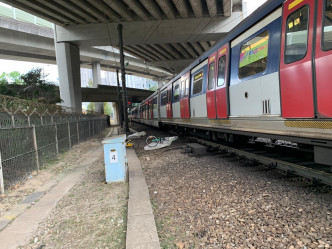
269	77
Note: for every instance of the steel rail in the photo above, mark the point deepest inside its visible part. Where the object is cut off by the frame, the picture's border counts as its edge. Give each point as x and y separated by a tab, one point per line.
309	173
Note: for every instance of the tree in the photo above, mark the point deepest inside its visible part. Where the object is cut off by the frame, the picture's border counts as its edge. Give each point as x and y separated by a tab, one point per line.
5	87
90	83
35	87
15	78
108	109
91	107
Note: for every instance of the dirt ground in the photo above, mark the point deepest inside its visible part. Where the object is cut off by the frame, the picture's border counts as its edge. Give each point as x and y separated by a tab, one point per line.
92	215
218	202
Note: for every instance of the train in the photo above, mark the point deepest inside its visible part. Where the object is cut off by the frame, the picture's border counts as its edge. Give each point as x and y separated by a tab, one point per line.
268	78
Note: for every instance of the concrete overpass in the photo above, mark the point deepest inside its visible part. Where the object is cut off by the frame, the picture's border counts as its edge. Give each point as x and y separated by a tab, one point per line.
109	94
28	42
166	33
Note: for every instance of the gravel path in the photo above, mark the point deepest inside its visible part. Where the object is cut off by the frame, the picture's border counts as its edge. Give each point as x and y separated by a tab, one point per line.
212	202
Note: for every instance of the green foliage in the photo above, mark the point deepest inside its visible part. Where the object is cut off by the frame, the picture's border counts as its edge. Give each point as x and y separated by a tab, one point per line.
108	109
91	107
90	83
154	88
5	88
31	86
15	78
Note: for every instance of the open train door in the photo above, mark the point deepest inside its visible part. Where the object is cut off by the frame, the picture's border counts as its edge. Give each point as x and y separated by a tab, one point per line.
210	91
296	65
323	59
184	102
222	82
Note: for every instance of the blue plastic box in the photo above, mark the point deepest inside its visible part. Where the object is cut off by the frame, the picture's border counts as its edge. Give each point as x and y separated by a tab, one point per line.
115	158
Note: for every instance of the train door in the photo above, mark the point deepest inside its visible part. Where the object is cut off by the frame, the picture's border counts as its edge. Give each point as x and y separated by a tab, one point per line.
184	102
210	91
296	68
169	102
151	108
323	59
222	82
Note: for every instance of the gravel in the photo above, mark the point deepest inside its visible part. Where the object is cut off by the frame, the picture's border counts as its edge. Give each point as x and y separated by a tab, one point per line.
212	202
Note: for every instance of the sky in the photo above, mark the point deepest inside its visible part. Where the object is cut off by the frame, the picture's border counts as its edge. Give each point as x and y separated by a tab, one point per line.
8	66
252	5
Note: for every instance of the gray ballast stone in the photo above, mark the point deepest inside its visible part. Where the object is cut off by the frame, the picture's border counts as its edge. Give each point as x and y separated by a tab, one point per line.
197	149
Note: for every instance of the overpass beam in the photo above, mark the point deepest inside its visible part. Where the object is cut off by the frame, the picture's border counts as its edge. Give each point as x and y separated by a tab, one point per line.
68	61
96	76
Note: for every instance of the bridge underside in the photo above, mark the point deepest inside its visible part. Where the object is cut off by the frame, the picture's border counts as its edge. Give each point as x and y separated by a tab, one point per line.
164	35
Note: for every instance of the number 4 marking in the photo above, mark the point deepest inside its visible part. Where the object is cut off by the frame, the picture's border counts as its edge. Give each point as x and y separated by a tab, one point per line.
114	156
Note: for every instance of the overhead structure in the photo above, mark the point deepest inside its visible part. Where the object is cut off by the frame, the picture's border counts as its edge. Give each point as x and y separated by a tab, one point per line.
166	33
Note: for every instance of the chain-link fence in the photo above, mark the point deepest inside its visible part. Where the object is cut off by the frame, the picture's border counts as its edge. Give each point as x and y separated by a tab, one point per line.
29	140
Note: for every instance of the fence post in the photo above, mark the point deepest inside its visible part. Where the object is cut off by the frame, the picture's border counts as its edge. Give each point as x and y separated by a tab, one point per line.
78	133
13	120
89	128
93	127
56	139
35	145
2	185
69	139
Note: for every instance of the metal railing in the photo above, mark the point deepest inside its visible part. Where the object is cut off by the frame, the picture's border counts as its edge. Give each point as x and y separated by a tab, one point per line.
30	139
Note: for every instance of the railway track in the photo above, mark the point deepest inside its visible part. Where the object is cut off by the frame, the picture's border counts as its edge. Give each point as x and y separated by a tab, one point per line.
292	165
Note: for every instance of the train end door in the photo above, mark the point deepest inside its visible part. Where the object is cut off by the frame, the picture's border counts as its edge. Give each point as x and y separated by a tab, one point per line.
210	91
184	102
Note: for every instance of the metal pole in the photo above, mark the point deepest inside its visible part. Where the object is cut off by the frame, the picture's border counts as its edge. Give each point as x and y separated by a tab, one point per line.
2	185
35	145
123	79
119	96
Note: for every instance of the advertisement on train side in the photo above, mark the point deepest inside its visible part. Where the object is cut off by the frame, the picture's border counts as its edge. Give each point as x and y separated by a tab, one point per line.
254	52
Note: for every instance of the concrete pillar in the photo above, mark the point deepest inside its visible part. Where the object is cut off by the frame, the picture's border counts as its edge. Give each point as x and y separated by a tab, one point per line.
68	61
99	107
96	73
115	113
97	81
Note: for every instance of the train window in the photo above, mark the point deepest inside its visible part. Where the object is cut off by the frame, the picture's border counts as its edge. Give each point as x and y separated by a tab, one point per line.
154	103
253	55
297	35
221	70
164	98
183	87
327	26
198	82
187	88
211	76
176	92
169	95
